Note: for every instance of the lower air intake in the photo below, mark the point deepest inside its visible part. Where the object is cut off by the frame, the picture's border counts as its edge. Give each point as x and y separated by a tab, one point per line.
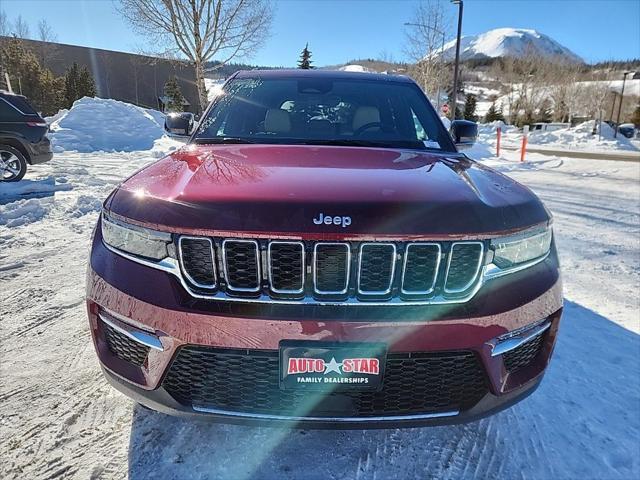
123	347
248	381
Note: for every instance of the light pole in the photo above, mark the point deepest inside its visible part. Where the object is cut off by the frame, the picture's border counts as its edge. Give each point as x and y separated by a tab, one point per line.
456	68
624	79
439	32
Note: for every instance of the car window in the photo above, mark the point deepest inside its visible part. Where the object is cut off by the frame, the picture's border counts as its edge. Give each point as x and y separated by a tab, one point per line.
325	111
8	113
21	104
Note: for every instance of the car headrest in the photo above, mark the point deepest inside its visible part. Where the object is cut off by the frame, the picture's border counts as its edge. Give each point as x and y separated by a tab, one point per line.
277	120
364	115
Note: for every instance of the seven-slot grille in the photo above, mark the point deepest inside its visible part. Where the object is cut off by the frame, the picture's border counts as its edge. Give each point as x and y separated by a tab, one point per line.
363	271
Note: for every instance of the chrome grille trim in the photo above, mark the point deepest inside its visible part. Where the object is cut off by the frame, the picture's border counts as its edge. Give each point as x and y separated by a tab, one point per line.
347	268
394	254
226	269
213	261
171	266
436	269
474	278
270	263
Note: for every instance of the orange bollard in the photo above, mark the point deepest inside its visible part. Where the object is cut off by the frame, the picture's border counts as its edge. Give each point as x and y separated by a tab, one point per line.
523	150
525	136
499	132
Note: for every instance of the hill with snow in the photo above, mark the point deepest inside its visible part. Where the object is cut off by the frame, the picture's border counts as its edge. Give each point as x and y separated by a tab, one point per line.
507	42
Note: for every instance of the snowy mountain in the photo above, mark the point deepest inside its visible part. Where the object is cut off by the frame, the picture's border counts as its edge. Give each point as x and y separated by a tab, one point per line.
507	42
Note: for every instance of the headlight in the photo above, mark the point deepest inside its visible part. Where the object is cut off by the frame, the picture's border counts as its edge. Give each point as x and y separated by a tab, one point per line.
510	252
135	240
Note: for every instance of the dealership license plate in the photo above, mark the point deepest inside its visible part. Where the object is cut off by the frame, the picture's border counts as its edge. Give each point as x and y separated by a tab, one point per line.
331	366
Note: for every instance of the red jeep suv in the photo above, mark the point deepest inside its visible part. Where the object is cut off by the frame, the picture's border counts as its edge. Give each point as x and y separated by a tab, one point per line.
320	254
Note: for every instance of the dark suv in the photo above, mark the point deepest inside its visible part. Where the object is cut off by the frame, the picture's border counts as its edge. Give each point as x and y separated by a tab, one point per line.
23	137
320	254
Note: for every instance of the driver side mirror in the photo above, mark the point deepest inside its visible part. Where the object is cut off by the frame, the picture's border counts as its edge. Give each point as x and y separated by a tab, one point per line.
464	133
180	125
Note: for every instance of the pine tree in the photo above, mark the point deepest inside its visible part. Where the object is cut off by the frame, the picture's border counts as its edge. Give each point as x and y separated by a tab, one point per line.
470	104
493	114
71	84
29	78
175	99
86	83
305	58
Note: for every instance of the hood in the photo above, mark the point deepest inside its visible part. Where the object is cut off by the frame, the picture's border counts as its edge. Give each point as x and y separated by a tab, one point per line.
294	189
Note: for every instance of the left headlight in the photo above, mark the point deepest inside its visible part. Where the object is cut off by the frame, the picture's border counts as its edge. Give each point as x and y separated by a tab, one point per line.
135	240
518	250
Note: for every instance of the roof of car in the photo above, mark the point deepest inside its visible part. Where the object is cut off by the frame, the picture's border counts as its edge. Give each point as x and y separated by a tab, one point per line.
321	73
6	92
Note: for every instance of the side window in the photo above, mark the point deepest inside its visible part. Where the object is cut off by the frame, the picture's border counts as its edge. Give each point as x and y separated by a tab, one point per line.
21	104
7	112
421	134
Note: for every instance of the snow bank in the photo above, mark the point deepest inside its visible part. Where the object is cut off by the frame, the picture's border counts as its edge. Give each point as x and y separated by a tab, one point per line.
31	187
581	137
354	68
94	124
492	127
23	212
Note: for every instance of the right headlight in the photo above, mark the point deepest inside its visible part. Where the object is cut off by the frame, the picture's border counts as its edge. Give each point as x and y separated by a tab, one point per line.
135	240
510	253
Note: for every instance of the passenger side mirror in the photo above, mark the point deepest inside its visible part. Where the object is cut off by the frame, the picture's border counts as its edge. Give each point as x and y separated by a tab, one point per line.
179	124
464	133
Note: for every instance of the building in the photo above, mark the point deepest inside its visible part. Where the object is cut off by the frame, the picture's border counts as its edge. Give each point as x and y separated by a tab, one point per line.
132	78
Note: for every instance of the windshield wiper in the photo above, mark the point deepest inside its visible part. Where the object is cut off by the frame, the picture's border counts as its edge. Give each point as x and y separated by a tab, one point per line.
222	140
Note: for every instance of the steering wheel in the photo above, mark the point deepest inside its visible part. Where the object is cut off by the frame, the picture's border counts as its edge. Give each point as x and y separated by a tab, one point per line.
366	127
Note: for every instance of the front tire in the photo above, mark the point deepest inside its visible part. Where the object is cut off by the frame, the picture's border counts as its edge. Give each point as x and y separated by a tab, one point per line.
13	165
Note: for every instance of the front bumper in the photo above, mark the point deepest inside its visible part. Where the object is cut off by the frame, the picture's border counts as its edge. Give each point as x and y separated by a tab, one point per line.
152	306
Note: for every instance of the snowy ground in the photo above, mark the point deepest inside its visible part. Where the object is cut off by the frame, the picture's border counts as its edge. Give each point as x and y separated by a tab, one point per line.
59	418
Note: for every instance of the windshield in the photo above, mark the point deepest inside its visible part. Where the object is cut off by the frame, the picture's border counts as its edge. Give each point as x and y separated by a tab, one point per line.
319	111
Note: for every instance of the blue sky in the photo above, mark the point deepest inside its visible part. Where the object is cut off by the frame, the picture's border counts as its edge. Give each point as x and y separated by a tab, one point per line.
341	30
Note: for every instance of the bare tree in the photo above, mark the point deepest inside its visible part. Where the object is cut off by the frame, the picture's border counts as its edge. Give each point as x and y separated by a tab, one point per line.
425	37
202	30
5	31
563	90
45	32
21	28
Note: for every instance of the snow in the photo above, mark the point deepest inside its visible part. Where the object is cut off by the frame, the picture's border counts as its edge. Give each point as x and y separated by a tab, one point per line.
59	417
512	42
354	68
94	124
24	187
579	138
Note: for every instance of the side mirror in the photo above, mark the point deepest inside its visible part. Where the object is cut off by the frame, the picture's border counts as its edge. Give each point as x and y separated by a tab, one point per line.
179	124
464	133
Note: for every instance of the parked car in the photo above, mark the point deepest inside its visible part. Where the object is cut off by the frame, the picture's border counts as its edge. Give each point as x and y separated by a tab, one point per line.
23	137
627	129
312	258
548	127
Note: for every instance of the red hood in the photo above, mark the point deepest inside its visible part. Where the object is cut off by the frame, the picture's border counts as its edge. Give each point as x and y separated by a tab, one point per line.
274	188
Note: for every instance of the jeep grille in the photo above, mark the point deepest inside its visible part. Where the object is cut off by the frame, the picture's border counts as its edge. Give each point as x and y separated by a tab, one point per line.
330	271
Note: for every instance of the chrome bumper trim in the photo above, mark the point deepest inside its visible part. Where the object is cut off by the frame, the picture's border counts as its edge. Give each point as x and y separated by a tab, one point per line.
264	416
514	341
143	338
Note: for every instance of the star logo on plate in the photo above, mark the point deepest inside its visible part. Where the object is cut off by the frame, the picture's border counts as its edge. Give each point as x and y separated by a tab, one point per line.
333	366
